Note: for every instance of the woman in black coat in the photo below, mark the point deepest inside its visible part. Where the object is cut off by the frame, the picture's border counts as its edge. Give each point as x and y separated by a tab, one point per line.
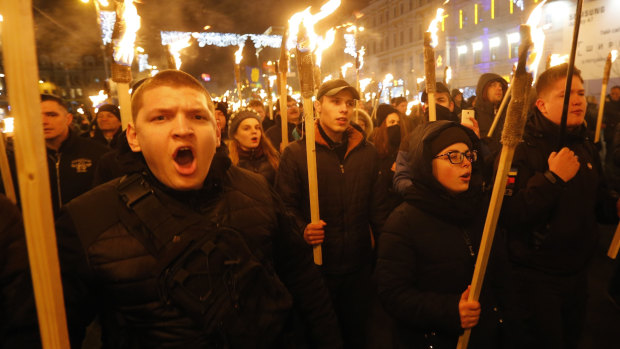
249	148
427	249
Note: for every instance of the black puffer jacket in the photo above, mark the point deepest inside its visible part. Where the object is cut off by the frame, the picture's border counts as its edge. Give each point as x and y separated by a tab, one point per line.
18	315
427	252
351	197
107	270
553	227
257	162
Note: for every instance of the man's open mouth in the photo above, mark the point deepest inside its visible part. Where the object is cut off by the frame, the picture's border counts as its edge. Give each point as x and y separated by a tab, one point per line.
184	160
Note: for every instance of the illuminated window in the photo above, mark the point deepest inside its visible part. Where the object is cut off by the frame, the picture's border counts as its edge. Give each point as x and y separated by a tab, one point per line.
513	44
494	48
477	48
460	19
475	13
492	9
462	52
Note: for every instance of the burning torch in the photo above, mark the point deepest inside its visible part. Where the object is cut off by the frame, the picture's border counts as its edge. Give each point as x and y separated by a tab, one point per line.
123	56
238	58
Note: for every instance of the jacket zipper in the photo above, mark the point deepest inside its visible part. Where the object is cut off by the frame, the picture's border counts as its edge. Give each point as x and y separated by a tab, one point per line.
58	179
341	168
468	242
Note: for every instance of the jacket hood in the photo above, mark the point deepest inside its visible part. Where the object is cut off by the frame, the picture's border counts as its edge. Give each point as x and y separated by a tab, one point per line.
426	192
483	81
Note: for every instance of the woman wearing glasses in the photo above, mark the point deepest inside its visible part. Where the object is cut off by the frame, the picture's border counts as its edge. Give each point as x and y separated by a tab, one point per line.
427	249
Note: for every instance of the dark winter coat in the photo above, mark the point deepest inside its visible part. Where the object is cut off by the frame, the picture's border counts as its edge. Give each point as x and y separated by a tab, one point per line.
352	200
552	225
485	111
274	133
426	255
107	270
71	168
100	138
18	315
256	161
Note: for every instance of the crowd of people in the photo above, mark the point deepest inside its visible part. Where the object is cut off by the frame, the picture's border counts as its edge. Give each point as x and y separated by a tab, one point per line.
192	227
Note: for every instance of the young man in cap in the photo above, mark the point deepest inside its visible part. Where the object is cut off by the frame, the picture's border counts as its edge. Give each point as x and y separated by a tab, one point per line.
186	250
553	202
352	204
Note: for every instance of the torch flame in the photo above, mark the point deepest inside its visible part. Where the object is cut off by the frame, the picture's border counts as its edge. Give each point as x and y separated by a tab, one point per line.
327	78
432	28
98	99
557	59
124	49
104	3
360	57
323	44
538	38
420	80
388	79
239	53
176	46
272	79
309	20
344	68
364	83
448	74
614	55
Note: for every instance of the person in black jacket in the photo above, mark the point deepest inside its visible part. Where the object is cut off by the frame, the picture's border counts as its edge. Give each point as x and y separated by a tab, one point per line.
71	159
489	94
133	250
550	213
352	202
427	248
18	315
106	126
293	118
249	148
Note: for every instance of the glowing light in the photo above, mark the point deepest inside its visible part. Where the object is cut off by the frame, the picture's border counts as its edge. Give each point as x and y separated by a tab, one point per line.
364	83
327	78
80	110
344	68
614	55
239	54
104	3
420	80
349	44
324	43
557	59
175	47
272	79
462	49
448	74
107	19
124	48
476	46
98	99
9	125
309	20
360	57
494	42
513	38
85	1
206	27
387	80
538	38
432	28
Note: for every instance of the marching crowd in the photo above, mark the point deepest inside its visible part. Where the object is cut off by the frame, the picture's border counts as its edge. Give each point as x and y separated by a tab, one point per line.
192	228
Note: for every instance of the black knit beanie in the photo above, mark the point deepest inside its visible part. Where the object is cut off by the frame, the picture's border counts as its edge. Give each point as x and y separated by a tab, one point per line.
110	108
449	136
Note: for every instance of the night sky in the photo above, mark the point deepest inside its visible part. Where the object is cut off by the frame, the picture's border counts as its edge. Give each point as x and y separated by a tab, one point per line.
67	29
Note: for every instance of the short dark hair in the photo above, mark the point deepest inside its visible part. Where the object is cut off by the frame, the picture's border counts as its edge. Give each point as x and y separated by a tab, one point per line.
47	97
398	100
170	78
615	87
256	103
550	76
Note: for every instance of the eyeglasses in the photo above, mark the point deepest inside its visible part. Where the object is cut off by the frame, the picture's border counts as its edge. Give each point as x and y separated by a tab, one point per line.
456	157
